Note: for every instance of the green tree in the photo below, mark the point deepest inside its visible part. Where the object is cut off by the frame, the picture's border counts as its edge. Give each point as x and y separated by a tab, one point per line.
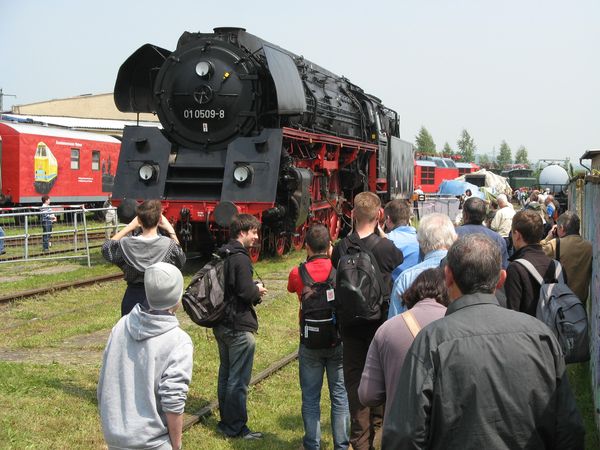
505	155
447	150
521	156
466	146
424	142
484	160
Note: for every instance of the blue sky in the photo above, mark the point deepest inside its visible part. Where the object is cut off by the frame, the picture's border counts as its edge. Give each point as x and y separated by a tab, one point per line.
527	72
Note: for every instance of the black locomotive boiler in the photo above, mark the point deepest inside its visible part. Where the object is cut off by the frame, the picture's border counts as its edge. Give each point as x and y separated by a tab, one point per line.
252	128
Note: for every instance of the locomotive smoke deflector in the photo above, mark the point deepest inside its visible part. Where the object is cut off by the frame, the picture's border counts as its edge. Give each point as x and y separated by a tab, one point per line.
290	92
135	80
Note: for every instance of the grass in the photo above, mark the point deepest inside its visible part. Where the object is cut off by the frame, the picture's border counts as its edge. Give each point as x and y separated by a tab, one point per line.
579	378
66	331
48	396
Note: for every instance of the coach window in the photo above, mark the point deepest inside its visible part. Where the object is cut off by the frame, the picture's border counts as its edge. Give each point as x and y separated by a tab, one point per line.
75	159
95	160
427	175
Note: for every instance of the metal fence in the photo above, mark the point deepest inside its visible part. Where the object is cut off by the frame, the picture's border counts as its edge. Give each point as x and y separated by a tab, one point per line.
29	234
584	198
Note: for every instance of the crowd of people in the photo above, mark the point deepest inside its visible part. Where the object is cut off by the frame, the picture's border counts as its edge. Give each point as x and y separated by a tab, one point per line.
453	358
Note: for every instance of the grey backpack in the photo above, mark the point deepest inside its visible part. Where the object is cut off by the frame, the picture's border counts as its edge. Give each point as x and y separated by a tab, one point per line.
204	298
560	309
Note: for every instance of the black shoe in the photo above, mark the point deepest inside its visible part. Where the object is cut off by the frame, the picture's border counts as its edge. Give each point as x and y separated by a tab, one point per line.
252	435
2	252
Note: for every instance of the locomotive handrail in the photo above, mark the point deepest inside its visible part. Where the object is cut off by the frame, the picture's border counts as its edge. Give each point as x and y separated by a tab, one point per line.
327	139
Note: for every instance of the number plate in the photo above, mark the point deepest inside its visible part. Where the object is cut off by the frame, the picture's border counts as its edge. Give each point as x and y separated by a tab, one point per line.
204	114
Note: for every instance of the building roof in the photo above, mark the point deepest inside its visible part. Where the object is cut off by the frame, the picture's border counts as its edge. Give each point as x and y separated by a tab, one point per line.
28	128
590	154
77	123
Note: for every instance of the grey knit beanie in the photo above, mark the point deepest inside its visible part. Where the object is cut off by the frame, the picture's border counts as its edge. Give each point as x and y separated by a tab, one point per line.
163	283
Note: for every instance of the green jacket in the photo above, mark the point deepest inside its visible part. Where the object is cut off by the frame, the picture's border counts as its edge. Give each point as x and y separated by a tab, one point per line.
576	259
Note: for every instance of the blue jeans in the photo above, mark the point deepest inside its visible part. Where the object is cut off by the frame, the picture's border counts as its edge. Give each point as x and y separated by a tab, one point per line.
236	353
1	240
313	363
47	229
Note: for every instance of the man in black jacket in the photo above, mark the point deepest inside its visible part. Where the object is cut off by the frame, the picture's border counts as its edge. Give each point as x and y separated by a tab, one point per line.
522	290
235	336
365	422
483	376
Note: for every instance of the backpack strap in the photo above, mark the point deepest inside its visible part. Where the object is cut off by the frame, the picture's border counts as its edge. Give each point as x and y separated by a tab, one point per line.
411	323
557	248
531	269
307	280
558	275
535	274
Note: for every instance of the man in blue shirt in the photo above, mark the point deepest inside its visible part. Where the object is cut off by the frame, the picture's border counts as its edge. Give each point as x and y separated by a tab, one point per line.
435	235
474	212
397	216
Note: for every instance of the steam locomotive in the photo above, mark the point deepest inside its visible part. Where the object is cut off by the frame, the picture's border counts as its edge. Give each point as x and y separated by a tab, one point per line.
248	127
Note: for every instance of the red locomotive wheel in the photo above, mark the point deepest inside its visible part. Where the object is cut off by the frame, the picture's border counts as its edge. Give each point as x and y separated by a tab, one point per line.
298	238
333	223
254	253
280	245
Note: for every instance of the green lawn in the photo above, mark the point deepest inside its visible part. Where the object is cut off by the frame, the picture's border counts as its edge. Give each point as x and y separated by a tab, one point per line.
51	347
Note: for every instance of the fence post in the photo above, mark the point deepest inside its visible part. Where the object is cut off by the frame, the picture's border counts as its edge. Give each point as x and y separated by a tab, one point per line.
85	235
75	231
26	232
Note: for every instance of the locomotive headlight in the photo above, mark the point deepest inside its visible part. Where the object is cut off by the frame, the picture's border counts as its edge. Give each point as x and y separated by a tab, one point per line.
148	172
242	174
203	69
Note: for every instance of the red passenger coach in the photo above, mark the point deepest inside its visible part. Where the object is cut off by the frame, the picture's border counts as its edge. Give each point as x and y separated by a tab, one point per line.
431	171
70	166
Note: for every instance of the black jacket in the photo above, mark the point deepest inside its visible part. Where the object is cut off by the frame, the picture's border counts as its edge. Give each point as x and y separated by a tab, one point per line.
483	377
240	289
521	289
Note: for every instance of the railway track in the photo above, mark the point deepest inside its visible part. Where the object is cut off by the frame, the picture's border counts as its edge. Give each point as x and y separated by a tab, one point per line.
59	287
192	419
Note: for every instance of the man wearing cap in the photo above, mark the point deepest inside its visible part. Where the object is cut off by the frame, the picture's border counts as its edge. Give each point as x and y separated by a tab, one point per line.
147	369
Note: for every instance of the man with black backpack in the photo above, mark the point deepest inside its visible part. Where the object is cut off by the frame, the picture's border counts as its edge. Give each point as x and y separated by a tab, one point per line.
235	335
521	288
364	262
320	345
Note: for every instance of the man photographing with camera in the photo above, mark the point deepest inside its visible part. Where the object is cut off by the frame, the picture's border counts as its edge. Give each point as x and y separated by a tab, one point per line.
235	335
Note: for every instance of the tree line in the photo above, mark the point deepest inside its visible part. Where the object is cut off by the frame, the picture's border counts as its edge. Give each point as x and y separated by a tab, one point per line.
467	149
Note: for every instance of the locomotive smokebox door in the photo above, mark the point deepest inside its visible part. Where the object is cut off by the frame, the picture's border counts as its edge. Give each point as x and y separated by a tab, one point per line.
252	168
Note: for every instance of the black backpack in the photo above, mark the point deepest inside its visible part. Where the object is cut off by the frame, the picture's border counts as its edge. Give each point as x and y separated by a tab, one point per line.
361	294
318	321
204	298
560	309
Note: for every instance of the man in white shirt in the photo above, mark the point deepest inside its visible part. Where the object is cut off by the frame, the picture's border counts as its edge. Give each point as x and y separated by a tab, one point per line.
502	221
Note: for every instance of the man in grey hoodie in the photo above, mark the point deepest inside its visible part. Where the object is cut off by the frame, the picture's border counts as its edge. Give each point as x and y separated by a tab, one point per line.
147	369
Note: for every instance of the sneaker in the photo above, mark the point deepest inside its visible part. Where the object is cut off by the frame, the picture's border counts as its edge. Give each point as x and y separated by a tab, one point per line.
252	435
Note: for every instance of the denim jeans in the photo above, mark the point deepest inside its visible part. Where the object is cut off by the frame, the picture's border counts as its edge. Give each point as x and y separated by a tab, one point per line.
313	363
47	229
1	240
236	354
